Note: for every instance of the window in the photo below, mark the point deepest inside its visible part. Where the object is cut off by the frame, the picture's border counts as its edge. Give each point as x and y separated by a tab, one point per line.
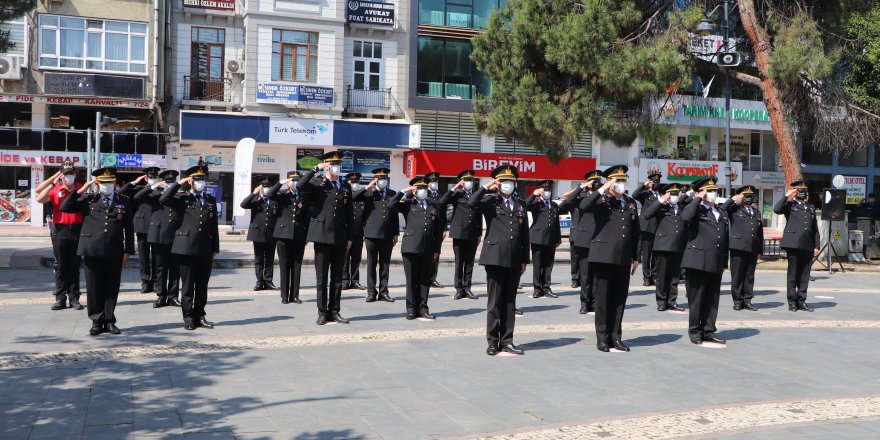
472	14
16	32
206	68
74	43
445	70
367	57
294	56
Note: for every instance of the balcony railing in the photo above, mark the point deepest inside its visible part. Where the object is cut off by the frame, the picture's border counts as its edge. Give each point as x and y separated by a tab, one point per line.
48	139
212	90
367	101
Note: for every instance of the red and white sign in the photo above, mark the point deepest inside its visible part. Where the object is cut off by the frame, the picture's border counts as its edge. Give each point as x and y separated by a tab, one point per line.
687	171
20	158
530	167
74	100
220	5
856	188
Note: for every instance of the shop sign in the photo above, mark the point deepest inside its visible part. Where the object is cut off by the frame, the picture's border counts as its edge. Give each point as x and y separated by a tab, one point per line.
415	136
737	114
308	158
294	94
364	161
421	162
764	178
686	171
856	189
217	159
300	131
710	112
219	5
87	84
381	14
18	158
71	100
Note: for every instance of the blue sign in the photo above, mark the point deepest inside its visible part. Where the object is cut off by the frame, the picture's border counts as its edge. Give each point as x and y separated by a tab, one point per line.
129	161
370	134
215	188
297	94
364	161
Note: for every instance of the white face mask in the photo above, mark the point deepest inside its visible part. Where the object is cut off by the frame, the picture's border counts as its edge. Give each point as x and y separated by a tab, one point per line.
152	182
674	199
199	185
421	193
547	195
334	170
711	196
106	189
433	186
69	179
285	188
620	187
469	185
355	186
264	191
507	188
382	183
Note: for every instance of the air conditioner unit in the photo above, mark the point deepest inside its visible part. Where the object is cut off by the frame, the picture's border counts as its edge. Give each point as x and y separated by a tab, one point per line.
10	67
235	67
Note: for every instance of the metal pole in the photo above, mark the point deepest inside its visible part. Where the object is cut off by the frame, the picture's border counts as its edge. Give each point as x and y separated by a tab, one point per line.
89	159
727	166
98	138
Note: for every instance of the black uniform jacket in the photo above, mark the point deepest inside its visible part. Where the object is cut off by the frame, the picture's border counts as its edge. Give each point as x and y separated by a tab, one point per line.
382	221
197	234
616	238
291	215
164	220
143	211
467	222
507	233
746	231
420	235
545	228
671	234
646	197
708	238
106	232
330	209
262	225
801	228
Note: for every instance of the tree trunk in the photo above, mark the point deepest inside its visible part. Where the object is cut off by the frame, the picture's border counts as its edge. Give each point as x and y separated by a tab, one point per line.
783	130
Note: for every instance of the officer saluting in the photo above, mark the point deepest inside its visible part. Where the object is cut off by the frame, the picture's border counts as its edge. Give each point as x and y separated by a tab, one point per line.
669	242
705	258
648	194
142	214
545	236
505	255
583	225
196	243
381	229
351	269
330	230
291	228
613	254
106	241
261	233
420	245
746	243
434	194
800	241
163	223
465	230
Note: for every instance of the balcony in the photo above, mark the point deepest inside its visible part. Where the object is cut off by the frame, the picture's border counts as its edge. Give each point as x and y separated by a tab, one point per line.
372	103
209	93
47	139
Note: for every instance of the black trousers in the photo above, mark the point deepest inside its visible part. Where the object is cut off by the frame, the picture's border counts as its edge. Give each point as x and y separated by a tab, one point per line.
703	292
668	274
146	260
436	262
329	260
501	283
574	263
418	269
585	275
378	256
264	260
465	254
798	276
290	258
64	243
742	275
646	246
195	272
611	282
167	271
102	288
542	266
351	271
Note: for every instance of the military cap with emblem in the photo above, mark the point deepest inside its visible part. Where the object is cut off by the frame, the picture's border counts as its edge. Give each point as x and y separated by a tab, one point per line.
799	184
418	181
67	168
748	189
670	188
466	175
505	172
546	184
152	171
433	176
353	177
616	172
381	172
168	174
706	184
265	181
294	175
105	175
198	172
593	175
652	175
333	156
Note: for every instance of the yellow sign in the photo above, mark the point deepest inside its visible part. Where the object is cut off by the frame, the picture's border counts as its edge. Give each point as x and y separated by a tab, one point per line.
837	234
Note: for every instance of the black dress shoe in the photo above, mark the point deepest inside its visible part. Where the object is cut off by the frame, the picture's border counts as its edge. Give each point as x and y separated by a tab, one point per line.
113	329
410	316
60	303
661	308
458	295
646	283
517	312
296	300
258	287
714	339
697	341
338	318
793	307
575	284
675	308
145	288
737	307
510	348
548	293
386	298
492	350
437	285
269	286
469	295
603	346
591	308
190	326
358	286
96	329
748	306
205	323
172	301
322	319
618	345
428	315
74	302
371	298
536	294
583	310
285	301
160	302
804	307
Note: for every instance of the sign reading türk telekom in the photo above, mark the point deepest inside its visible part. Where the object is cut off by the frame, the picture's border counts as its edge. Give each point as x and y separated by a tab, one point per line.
529	166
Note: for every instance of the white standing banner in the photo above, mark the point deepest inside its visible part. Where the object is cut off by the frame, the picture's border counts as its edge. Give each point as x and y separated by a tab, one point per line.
244	159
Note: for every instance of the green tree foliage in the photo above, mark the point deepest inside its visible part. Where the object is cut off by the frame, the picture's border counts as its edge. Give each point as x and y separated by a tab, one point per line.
563	67
10	9
863	79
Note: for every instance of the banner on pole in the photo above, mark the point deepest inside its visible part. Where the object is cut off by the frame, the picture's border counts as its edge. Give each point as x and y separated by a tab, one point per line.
244	158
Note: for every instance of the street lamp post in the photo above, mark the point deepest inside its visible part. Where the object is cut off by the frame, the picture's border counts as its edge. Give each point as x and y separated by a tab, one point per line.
727	166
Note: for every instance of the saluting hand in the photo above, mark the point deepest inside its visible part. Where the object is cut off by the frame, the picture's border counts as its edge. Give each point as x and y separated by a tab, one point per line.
790	194
373	182
256	190
702	194
738	198
139	179
87	185
664	197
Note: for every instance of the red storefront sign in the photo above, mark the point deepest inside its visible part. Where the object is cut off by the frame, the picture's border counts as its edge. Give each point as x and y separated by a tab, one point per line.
421	162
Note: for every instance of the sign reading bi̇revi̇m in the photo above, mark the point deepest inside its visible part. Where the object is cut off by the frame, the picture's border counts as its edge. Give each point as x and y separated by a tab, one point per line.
294	94
300	131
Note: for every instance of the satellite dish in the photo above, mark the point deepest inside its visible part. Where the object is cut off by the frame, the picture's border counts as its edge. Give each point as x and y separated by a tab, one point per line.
838	181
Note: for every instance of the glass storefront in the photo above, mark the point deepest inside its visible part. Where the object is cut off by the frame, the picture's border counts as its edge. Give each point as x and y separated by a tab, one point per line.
470	14
15	195
445	70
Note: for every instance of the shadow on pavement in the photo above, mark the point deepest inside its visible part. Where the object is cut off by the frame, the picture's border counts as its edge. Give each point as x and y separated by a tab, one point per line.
531	309
459	312
250	321
650	341
740	333
822	305
549	343
768	305
343	434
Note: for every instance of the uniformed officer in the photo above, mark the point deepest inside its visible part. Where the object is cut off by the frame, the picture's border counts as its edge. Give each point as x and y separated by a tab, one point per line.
142	214
746	243
65	239
291	229
545	236
505	254
105	243
163	224
583	226
381	229
330	231
465	230
434	194
647	193
705	258
261	233
351	272
800	241
196	242
420	246
613	254
669	242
